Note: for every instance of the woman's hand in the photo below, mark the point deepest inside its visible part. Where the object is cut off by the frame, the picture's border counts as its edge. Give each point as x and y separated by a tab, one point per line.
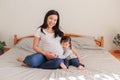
50	55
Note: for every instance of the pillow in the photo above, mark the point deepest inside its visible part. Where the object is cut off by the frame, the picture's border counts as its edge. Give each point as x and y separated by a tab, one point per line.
84	43
92	47
26	44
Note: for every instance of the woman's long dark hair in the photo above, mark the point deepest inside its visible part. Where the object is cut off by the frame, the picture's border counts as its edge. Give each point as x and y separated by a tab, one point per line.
56	28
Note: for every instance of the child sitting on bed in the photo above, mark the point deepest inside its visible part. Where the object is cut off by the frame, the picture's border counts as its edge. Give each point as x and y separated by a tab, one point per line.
70	58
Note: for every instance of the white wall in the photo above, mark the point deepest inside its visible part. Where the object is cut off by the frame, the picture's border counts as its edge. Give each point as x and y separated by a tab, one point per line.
86	17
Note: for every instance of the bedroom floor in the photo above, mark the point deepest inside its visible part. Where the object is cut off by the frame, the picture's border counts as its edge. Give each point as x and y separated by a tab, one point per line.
115	54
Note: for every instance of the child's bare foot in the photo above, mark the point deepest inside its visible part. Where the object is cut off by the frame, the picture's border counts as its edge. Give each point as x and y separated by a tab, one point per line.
20	59
81	67
63	66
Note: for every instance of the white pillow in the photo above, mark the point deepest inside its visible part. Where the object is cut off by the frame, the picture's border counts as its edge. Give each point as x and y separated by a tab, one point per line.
26	44
84	43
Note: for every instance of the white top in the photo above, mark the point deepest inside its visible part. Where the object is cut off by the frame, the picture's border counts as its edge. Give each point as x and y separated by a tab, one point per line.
48	42
68	54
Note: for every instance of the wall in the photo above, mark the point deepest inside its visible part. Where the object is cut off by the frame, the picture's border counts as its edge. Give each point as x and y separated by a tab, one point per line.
86	17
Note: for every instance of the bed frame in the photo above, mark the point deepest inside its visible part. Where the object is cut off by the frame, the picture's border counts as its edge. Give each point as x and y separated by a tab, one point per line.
99	42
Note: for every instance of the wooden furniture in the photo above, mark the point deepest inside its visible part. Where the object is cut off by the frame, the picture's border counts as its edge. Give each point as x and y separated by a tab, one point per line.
6	49
115	53
99	42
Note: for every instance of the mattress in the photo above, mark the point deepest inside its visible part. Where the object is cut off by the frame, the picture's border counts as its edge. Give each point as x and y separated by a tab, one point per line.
99	65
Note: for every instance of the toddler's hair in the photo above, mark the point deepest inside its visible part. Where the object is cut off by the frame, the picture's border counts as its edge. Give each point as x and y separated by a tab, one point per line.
66	39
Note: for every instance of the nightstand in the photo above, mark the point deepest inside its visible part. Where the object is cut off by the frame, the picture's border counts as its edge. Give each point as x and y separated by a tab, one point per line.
115	53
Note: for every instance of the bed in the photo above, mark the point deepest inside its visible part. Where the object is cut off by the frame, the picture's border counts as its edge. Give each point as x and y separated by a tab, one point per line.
99	63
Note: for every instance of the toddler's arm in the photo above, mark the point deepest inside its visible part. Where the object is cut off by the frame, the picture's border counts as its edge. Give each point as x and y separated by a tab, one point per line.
76	53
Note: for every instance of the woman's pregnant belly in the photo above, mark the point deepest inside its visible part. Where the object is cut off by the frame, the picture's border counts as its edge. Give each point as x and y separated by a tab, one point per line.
54	48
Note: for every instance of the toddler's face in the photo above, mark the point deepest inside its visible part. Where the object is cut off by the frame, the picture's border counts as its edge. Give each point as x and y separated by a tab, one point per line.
65	45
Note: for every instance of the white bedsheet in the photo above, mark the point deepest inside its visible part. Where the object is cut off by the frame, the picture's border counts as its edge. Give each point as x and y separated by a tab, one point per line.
100	65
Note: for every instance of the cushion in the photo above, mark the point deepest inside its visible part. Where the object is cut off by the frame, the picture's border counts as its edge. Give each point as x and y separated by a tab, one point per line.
26	44
84	43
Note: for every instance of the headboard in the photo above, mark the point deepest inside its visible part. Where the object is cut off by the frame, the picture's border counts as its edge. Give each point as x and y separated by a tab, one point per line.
99	42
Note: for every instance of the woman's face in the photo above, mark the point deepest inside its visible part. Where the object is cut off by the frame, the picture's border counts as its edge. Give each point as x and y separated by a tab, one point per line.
52	20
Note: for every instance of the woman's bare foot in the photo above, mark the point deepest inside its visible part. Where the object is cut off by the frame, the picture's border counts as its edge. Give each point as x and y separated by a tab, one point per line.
25	65
20	59
62	65
81	67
